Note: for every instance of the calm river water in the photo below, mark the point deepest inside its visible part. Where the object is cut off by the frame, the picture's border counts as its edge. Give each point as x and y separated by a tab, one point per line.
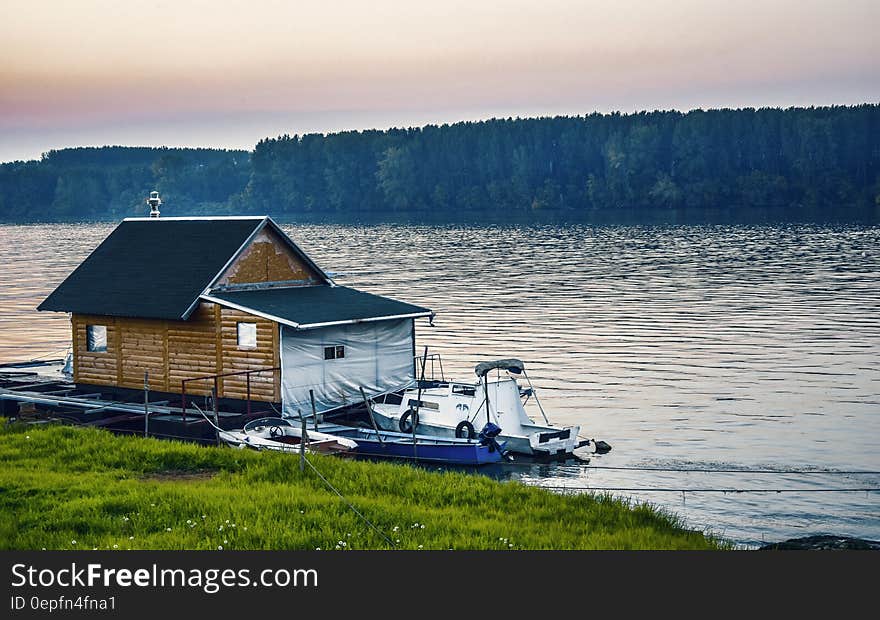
684	347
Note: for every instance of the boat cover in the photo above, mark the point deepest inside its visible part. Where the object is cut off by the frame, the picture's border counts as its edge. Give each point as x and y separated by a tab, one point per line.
512	365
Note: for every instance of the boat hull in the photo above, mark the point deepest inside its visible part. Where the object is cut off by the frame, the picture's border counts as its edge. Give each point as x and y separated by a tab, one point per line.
396	445
558	441
324	445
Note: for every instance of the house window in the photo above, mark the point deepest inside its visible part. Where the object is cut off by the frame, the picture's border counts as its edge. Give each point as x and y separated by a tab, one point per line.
96	338
334	353
247	335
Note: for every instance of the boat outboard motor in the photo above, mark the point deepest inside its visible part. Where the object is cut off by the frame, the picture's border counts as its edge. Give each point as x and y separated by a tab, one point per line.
601	447
488	436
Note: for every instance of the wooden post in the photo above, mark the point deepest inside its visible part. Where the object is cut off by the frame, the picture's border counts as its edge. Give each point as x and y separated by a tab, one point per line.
302	443
216	411
183	400
372	419
314	410
247	377
146	403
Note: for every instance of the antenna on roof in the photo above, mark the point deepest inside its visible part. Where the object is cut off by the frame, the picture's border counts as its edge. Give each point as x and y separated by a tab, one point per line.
154	201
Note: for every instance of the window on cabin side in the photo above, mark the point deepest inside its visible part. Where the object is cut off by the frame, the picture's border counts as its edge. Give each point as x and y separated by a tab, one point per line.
334	353
247	335
96	338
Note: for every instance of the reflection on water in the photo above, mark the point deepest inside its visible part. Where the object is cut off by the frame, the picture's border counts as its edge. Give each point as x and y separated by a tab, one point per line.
683	346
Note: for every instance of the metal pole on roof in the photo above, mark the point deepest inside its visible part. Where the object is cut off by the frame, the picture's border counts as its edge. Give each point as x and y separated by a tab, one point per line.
535	394
486	396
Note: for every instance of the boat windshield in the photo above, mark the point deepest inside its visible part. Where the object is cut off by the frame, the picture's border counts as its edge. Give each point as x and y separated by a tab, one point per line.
255	425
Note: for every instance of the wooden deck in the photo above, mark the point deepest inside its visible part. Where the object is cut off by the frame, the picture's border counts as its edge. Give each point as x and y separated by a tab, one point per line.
39	393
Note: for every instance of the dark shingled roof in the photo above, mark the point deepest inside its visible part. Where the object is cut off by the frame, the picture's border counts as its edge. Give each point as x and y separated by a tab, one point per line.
310	305
152	268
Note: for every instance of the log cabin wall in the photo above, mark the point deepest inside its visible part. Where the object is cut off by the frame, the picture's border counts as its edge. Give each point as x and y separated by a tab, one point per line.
171	351
94	368
264	385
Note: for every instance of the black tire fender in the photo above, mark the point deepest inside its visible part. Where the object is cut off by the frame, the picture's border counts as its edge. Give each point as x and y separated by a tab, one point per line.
407	420
465	430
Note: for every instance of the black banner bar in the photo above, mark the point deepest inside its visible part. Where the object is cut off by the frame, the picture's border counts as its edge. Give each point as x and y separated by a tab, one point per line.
335	584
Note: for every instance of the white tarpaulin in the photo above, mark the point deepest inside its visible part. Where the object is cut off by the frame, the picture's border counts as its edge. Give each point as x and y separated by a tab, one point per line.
376	355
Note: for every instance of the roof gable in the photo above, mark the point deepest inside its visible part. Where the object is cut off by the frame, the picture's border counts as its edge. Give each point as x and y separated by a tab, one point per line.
158	268
267	258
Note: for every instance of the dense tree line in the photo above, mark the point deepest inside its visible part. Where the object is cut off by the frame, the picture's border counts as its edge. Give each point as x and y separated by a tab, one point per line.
113	182
805	158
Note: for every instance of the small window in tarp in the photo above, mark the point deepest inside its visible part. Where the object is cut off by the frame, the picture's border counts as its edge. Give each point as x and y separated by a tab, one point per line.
247	335
334	353
96	338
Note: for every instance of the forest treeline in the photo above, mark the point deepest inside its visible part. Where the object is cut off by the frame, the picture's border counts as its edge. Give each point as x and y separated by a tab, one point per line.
824	159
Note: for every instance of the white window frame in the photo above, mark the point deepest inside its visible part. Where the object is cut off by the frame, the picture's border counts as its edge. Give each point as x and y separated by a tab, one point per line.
96	338
243	339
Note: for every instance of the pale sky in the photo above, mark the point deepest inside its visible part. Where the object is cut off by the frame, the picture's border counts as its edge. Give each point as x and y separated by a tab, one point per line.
228	73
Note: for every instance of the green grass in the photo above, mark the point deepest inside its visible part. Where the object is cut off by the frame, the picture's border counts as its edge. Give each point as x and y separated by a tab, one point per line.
61	484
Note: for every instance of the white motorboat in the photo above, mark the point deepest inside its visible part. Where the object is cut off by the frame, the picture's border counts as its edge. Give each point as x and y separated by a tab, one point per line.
279	435
449	409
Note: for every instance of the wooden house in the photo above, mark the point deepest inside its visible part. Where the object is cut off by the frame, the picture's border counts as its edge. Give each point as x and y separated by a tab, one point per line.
234	300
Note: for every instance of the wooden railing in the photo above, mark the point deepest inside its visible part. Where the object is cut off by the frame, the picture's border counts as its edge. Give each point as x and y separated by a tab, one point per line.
215	393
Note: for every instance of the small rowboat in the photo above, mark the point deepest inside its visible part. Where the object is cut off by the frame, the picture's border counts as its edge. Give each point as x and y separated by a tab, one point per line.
280	435
393	445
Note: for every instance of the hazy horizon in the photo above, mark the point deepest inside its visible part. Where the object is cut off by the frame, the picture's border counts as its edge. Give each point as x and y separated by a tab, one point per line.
225	75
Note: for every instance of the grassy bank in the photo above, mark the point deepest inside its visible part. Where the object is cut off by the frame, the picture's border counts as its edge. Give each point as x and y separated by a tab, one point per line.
77	488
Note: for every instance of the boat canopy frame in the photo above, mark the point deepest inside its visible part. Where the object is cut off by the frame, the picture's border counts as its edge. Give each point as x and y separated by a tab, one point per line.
510	365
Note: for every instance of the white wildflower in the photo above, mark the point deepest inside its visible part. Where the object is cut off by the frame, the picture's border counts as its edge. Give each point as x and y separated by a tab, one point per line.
220	547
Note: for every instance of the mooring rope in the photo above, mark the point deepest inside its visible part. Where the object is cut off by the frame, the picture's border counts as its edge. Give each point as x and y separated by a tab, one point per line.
708	470
329	485
708	490
350	505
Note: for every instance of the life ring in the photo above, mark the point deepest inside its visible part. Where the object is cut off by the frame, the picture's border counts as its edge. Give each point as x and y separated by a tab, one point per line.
465	430
405	425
